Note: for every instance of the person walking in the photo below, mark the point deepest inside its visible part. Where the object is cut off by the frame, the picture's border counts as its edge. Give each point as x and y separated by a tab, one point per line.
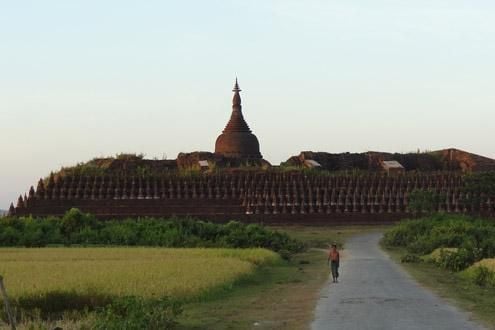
334	261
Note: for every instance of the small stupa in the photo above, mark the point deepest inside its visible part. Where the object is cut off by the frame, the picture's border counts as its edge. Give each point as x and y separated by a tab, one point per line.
236	140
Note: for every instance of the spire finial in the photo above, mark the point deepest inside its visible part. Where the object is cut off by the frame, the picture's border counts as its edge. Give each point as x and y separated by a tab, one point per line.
236	101
236	86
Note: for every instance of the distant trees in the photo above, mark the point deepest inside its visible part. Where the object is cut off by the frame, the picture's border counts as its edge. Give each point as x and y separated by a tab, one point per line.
76	227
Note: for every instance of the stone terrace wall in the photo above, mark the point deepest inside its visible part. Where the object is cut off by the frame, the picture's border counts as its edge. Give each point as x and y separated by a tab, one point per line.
260	197
441	160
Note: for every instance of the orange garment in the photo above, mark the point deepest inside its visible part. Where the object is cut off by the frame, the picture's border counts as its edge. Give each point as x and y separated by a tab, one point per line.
333	255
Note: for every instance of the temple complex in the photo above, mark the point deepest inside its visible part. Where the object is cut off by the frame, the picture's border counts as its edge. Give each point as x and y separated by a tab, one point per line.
235	182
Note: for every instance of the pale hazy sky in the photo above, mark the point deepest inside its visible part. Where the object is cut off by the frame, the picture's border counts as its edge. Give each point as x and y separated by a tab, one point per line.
80	79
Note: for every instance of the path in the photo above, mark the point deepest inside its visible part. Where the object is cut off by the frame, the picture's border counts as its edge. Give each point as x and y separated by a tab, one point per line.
375	293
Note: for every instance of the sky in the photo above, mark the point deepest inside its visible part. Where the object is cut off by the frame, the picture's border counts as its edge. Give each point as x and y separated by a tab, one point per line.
84	79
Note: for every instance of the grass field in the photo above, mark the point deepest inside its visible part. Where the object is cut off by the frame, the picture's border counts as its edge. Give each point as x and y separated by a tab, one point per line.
149	272
215	284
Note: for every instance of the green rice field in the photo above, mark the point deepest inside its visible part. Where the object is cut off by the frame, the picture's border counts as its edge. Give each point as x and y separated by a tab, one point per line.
147	272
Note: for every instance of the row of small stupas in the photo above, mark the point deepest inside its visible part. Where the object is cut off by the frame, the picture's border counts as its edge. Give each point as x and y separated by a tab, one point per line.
235	182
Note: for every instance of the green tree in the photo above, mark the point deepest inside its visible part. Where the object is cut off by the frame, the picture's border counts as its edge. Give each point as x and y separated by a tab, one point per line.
423	201
74	221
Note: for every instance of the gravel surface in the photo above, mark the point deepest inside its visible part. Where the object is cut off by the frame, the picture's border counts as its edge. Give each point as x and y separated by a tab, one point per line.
375	293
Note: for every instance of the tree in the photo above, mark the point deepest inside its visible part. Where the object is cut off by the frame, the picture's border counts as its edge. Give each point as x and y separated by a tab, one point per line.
478	186
423	201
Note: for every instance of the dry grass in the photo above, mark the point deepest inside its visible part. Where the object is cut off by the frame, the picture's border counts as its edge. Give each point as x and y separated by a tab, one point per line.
483	277
488	263
435	254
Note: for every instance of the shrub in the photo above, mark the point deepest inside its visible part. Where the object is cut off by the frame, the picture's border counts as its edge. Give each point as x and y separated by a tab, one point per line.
422	245
76	227
285	254
483	276
9	236
406	232
139	313
423	201
73	221
424	235
53	304
481	273
410	258
434	256
455	261
480	183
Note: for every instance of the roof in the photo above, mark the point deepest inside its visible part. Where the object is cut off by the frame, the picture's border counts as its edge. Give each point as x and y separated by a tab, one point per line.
203	163
391	164
311	163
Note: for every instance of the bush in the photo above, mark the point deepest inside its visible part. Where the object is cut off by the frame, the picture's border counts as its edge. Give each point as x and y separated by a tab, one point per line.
54	304
407	232
410	258
423	201
483	276
424	235
455	261
480	183
9	236
434	256
285	254
487	247
74	221
76	227
139	313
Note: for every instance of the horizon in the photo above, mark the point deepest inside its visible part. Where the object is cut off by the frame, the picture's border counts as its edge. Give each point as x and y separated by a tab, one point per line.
86	79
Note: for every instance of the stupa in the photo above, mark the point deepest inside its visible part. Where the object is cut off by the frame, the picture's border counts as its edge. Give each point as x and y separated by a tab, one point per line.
236	140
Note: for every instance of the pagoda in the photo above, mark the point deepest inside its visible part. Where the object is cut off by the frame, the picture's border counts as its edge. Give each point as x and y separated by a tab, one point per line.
236	140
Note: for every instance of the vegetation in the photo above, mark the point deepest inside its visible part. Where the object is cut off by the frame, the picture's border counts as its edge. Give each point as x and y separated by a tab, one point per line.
452	254
419	161
437	253
412	161
454	243
274	293
80	228
127	156
477	185
49	282
126	164
102	284
139	313
424	201
279	296
473	238
481	182
481	273
478	300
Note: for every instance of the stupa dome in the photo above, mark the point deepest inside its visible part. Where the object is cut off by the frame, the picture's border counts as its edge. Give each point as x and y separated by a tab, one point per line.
236	140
